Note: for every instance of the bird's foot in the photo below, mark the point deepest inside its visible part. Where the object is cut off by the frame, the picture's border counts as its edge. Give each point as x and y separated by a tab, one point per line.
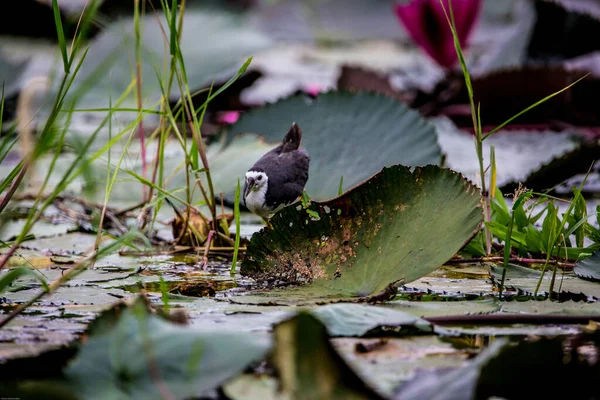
268	223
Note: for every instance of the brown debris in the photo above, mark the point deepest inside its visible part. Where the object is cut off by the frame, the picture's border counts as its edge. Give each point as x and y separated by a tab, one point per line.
194	231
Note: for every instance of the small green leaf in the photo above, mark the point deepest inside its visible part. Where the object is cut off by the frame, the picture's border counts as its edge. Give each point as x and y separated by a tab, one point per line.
521	220
499	213
533	239
501	231
549	226
476	247
579	214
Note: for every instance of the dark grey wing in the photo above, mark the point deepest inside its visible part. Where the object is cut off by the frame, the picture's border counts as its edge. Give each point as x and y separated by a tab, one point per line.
288	174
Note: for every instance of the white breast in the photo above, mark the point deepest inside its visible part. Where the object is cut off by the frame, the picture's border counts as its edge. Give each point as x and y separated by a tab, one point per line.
256	202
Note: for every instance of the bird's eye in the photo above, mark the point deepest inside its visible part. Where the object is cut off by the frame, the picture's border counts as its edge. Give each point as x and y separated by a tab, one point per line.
259	177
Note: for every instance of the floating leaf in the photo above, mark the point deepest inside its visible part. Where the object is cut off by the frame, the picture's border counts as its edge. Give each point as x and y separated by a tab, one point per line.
361	320
505	93
349	134
398	225
146	357
562	28
589	268
524	280
559	168
308	365
510	371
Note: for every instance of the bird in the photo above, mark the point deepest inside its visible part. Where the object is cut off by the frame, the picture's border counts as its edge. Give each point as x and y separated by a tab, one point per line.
278	178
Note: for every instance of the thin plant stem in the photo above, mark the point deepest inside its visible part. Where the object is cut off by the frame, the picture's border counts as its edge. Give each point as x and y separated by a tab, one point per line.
206	248
475	116
236	214
138	84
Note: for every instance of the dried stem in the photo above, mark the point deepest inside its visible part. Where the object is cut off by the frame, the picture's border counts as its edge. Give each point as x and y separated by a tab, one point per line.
560	264
208	243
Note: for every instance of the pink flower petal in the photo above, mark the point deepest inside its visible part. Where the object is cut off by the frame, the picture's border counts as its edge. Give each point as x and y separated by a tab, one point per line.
313	89
229	117
426	23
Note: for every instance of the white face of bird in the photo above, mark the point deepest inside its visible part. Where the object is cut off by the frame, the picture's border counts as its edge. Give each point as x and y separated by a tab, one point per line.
255	181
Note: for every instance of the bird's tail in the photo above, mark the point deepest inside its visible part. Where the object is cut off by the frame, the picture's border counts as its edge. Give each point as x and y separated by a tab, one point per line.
292	139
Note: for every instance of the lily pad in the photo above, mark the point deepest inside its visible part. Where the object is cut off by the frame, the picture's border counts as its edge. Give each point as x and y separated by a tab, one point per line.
589	268
127	359
346	134
524	280
398	225
361	320
511	371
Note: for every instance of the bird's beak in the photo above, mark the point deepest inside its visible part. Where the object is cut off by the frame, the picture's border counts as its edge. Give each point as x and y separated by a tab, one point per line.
249	187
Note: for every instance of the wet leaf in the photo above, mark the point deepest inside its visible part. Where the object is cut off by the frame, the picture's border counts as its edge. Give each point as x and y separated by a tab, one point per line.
251	387
589	268
361	320
308	365
144	356
552	307
523	279
504	93
349	134
398	225
559	168
512	371
425	309
561	30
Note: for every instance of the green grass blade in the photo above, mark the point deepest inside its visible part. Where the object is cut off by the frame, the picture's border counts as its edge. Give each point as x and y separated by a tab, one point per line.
341	188
164	292
242	69
154	186
236	213
507	242
8	278
62	43
174	43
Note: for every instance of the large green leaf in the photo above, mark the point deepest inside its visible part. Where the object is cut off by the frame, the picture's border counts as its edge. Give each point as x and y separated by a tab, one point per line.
398	225
143	356
349	134
589	268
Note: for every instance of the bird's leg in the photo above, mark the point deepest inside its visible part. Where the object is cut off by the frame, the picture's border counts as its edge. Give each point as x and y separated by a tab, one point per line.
268	223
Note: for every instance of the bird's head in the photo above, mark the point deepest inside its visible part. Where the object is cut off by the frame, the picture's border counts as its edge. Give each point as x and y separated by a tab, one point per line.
255	181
